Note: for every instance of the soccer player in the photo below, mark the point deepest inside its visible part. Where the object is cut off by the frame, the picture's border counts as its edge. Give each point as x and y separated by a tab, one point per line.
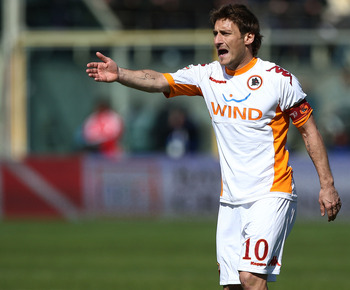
250	102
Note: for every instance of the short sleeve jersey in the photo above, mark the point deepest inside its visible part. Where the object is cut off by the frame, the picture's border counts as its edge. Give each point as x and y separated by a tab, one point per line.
249	109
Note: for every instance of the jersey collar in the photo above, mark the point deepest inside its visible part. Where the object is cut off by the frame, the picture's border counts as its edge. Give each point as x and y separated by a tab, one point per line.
242	70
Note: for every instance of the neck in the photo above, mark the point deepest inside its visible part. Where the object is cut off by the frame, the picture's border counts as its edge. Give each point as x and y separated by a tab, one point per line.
243	62
242	69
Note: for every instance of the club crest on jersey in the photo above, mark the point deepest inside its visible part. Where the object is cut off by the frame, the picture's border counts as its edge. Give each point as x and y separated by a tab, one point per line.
254	82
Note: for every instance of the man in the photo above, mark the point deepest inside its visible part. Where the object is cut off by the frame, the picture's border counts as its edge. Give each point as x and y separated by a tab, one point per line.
103	130
250	102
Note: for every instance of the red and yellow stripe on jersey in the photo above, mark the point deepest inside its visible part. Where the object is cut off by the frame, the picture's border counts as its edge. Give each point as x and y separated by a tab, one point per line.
250	110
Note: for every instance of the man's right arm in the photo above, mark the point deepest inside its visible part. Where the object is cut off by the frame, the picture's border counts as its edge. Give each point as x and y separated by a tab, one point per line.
144	80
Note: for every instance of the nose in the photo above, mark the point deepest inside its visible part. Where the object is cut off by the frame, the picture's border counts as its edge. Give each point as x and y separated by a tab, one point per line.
217	39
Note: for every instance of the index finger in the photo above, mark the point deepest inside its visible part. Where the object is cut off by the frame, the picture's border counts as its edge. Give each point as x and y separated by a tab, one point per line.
92	64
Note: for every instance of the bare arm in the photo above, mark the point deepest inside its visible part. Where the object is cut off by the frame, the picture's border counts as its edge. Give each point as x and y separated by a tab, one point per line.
144	80
329	199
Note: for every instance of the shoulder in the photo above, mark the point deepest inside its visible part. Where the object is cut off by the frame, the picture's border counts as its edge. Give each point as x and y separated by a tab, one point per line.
203	66
275	72
198	70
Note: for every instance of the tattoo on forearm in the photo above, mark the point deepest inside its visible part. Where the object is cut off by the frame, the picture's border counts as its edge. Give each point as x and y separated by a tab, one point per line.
147	76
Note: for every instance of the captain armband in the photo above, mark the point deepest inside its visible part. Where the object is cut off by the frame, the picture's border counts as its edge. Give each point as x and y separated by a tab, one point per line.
300	113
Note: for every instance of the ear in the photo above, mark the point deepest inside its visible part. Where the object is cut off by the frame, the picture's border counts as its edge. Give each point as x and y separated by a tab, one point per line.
249	38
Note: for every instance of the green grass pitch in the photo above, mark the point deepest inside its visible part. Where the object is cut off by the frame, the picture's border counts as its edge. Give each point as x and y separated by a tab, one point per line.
156	254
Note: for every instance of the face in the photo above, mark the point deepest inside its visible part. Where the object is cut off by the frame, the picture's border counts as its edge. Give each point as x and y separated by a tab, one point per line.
232	47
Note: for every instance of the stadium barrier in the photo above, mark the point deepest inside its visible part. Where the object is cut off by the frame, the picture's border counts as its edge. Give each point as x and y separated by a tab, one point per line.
42	187
74	187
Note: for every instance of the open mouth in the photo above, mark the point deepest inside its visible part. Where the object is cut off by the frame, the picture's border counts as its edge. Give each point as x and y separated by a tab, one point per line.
222	52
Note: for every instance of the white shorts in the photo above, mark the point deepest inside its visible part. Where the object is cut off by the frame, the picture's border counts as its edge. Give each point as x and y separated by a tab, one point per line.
250	237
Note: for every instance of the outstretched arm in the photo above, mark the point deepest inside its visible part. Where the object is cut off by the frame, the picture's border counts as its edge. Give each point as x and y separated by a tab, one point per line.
108	71
329	199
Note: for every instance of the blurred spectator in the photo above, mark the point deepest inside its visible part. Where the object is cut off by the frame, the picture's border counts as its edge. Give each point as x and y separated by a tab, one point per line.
176	133
102	130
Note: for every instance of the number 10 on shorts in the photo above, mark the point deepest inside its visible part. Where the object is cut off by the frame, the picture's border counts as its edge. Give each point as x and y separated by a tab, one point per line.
261	249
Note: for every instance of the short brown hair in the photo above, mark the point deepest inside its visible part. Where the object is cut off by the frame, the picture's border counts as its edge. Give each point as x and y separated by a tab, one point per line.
245	20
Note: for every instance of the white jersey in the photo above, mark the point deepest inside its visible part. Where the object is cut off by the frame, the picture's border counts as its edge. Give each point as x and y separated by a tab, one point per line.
249	112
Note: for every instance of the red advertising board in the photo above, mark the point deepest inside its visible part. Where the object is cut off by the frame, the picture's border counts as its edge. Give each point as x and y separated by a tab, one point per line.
42	187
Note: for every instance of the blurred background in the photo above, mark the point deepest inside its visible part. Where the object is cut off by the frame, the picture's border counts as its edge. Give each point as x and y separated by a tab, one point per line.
135	175
162	157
